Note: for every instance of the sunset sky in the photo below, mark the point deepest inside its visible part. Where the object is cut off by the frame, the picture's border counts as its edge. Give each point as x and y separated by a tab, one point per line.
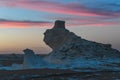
23	22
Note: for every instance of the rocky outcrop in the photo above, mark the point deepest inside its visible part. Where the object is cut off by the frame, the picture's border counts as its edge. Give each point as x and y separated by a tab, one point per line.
29	58
67	45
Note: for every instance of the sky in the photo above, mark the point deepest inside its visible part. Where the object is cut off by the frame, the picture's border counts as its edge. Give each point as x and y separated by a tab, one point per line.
23	22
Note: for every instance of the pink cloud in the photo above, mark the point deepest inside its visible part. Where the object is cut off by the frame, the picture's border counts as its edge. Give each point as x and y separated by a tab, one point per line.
70	23
54	7
94	17
23	24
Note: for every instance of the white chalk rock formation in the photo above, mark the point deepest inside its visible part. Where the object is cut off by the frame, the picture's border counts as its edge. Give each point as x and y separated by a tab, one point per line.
29	59
66	45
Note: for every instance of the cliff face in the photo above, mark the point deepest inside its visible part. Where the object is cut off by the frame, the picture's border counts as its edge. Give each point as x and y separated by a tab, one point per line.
67	45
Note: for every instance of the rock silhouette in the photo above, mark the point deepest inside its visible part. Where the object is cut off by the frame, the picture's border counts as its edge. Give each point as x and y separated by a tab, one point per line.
67	45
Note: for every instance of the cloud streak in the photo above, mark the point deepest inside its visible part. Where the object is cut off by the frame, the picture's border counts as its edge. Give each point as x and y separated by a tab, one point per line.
98	12
23	24
60	8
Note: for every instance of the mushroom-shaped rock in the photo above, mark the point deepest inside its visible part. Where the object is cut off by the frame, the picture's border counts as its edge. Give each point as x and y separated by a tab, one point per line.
67	45
56	36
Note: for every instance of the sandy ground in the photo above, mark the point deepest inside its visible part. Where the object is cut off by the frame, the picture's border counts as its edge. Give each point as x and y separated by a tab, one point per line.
52	74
